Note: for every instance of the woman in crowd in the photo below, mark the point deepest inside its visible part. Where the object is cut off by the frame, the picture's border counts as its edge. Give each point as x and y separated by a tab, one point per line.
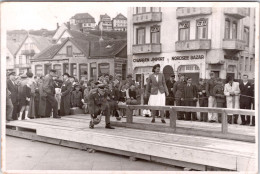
156	82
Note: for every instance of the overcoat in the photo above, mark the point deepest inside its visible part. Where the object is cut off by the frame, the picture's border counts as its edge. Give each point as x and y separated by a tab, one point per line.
232	101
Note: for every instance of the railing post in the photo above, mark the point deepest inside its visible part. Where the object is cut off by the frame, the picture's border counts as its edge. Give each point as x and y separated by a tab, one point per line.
224	123
129	115
173	118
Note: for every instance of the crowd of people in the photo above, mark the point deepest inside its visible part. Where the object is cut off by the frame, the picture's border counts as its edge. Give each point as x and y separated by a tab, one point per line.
30	96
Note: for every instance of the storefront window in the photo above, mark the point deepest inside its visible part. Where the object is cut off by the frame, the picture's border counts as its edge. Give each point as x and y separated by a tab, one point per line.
103	68
155	34
140	36
74	69
65	68
58	69
202	29
83	70
38	70
234	30
184	31
227	29
246	35
93	71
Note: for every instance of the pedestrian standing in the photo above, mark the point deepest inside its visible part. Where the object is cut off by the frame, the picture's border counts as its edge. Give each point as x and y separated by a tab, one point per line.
24	93
178	89
12	87
65	95
218	92
170	99
159	91
203	99
76	97
212	117
189	96
48	87
33	86
246	95
9	106
232	92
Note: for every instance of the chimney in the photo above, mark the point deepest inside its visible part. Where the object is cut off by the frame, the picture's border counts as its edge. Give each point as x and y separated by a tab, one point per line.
68	24
58	26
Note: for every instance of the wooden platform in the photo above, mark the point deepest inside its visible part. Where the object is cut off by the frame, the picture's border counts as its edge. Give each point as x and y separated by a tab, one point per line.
200	153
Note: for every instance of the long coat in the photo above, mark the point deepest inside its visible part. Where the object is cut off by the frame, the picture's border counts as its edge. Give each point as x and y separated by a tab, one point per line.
246	92
14	97
232	101
44	106
32	107
155	85
65	98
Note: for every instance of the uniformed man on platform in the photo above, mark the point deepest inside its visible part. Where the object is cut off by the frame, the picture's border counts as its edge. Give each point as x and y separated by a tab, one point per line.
178	89
98	104
65	95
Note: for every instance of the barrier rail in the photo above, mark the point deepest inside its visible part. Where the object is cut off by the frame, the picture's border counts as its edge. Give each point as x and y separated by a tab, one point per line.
173	118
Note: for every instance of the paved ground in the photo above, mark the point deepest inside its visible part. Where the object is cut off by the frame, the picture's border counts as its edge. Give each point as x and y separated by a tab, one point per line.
31	155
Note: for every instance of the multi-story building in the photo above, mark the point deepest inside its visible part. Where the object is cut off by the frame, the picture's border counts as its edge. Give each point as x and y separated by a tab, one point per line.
192	41
83	21
119	23
105	23
30	46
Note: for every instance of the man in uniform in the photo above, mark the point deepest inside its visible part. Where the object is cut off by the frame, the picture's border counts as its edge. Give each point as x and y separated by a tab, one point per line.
246	94
98	104
170	99
203	99
211	83
178	89
48	88
65	95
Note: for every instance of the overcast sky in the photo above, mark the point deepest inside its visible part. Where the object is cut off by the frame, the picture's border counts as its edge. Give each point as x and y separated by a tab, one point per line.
27	15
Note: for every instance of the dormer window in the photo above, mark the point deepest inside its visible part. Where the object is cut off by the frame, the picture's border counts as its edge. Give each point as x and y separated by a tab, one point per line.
69	51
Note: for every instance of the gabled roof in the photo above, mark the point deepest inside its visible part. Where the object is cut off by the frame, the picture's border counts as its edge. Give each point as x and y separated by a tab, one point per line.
49	52
82	45
109	48
13	46
41	42
104	16
84	16
120	16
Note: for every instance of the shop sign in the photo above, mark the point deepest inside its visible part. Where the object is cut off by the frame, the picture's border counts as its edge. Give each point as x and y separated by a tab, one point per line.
192	57
153	59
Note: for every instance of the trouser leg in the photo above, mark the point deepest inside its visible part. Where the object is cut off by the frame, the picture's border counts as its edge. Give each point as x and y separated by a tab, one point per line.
9	109
54	104
180	115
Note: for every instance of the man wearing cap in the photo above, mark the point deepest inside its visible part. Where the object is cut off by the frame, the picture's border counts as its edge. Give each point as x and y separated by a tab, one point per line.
12	88
66	88
170	99
98	104
48	87
178	90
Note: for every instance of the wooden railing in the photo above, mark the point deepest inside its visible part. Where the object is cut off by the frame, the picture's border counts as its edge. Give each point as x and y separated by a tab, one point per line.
173	116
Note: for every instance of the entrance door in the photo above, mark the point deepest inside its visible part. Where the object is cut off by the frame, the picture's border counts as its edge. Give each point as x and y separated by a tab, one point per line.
168	71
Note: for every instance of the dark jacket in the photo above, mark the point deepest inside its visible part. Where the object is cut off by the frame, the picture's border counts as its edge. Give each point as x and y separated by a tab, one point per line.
211	83
200	88
218	92
189	92
178	89
14	91
246	90
76	98
95	102
155	85
48	85
170	85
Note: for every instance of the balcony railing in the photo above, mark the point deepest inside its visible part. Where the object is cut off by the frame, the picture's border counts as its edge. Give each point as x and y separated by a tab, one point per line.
238	13
146	48
147	17
192	11
188	45
22	65
233	44
28	52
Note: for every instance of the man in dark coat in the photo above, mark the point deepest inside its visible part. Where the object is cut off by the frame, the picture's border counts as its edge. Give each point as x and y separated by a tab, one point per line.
9	106
170	99
48	88
98	103
66	88
211	83
203	99
218	92
178	89
246	94
189	96
12	87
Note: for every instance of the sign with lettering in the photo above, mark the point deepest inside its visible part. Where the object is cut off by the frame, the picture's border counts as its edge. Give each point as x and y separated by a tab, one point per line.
153	59
192	57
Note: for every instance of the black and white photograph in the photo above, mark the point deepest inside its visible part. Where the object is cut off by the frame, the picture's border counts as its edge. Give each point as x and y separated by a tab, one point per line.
123	87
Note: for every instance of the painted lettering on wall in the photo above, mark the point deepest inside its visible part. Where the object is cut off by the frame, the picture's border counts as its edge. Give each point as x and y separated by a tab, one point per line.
192	57
153	59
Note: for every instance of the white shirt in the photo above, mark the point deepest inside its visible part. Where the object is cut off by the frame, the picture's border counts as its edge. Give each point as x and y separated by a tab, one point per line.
245	83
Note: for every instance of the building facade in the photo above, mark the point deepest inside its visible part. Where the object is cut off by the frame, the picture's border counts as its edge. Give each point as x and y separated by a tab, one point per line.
191	41
84	21
105	23
119	23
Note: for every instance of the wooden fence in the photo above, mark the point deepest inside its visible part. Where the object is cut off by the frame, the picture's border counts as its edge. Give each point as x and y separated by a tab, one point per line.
173	118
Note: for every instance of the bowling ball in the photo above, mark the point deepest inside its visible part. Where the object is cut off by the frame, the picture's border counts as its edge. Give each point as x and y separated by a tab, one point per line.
97	120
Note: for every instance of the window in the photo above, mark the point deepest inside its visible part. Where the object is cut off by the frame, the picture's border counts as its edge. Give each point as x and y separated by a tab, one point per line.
140	10
184	30
227	29
246	35
38	70
74	69
83	69
140	36
241	63
155	9
202	29
246	62
155	34
20	60
103	68
234	30
27	60
251	65
69	51
65	68
93	71
58	69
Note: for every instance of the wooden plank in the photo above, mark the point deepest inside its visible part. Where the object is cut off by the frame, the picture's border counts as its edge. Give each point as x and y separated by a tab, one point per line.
173	118
247	164
224	124
129	115
163	150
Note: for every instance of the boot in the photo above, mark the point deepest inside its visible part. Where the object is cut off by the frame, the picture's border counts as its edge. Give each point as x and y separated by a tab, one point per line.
91	125
108	126
26	116
20	116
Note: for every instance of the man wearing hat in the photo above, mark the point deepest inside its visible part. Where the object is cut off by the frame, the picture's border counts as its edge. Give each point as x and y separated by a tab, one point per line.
170	99
178	90
65	95
12	88
98	104
48	87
